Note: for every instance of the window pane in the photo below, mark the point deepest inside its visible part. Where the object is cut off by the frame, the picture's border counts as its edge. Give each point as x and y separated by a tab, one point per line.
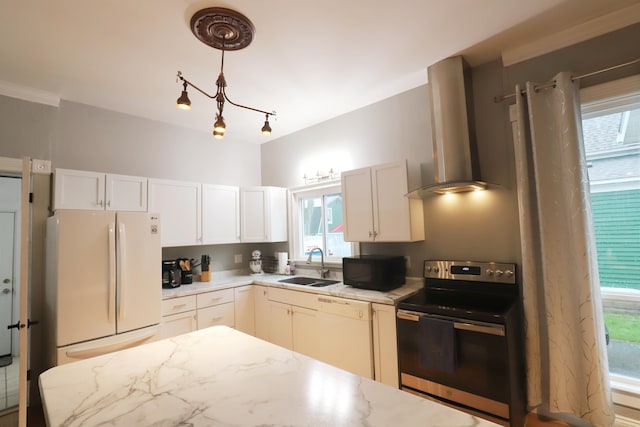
311	222
321	226
336	246
612	147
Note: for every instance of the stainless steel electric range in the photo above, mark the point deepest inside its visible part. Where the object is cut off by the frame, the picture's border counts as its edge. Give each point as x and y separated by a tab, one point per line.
459	339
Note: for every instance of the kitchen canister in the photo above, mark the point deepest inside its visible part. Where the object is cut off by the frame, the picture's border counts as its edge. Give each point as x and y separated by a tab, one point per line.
205	268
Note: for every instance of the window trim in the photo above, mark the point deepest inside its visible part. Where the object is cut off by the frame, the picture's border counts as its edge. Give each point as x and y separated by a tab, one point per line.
609	98
314	190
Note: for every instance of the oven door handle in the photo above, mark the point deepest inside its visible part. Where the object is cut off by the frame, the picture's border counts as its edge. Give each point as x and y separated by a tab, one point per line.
484	328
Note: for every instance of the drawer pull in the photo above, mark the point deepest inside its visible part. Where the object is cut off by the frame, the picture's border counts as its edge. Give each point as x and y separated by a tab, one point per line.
179	306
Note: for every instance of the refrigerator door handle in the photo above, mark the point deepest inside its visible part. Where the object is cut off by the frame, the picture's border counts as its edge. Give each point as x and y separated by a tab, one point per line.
92	349
122	256
111	297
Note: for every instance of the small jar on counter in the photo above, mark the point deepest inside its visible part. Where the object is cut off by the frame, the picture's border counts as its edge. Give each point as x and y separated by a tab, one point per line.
292	268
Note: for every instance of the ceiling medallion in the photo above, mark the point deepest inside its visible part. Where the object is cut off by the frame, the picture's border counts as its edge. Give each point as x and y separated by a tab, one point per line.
223	29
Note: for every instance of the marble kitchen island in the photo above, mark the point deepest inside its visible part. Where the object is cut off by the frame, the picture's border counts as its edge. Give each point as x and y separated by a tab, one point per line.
221	377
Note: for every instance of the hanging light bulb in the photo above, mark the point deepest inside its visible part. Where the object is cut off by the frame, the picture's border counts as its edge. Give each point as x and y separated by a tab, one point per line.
266	129
219	125
184	103
218	134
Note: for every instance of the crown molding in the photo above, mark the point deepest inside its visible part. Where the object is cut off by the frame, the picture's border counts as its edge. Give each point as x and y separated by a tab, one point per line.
29	94
585	31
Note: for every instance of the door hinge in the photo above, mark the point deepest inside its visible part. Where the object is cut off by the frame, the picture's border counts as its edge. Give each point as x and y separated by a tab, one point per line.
31	197
28	374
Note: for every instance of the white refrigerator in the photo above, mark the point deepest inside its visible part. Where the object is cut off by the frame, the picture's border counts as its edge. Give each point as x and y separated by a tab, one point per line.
103	282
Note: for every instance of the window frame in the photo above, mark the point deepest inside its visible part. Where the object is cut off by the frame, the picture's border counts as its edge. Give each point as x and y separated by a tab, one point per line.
315	190
608	98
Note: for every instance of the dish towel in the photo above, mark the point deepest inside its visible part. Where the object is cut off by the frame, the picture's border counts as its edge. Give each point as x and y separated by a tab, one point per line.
437	344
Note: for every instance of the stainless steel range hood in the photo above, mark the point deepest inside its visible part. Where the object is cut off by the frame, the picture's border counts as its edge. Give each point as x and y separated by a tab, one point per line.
454	149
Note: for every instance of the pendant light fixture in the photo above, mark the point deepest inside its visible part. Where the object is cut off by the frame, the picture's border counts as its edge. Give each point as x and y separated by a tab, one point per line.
223	29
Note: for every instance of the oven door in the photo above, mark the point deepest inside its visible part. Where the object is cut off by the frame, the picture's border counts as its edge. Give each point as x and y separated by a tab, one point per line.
475	369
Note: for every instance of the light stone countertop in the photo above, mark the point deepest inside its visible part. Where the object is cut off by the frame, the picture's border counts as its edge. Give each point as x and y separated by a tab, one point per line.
219	282
221	377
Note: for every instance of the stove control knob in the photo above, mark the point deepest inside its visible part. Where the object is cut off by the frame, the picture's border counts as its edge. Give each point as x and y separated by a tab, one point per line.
508	273
429	269
489	272
499	272
436	269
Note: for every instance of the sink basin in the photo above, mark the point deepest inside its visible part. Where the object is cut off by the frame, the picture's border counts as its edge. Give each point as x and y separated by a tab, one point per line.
309	281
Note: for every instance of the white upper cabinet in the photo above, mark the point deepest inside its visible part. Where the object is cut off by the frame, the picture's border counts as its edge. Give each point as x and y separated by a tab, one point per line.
263	214
220	214
375	208
126	193
179	206
75	189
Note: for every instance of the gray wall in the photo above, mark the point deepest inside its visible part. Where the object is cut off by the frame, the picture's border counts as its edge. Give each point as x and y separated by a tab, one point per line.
94	139
27	128
478	226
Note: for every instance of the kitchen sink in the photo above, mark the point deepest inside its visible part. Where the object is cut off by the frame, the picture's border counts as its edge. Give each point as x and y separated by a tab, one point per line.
309	281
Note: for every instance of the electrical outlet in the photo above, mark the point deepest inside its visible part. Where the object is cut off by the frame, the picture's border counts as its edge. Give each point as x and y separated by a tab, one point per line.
237	258
407	261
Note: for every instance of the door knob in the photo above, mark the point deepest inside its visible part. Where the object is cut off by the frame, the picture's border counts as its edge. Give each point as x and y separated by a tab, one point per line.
6	280
6	290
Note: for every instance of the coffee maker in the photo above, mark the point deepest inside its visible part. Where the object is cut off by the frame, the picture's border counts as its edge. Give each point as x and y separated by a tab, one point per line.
169	280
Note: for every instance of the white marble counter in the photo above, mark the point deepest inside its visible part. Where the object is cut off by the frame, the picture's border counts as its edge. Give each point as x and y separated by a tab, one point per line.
411	286
222	377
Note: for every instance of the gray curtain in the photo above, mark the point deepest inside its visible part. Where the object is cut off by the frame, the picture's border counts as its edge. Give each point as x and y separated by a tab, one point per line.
566	358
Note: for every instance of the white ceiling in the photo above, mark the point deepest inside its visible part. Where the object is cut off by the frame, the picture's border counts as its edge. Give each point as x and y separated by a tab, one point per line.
310	60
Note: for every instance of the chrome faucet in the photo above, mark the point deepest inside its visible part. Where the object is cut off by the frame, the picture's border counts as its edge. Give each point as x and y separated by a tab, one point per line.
324	272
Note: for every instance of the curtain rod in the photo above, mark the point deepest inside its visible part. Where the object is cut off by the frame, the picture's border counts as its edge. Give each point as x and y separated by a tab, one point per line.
500	98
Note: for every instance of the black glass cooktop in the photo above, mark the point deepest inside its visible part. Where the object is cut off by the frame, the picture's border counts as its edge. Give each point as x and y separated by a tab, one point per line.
455	303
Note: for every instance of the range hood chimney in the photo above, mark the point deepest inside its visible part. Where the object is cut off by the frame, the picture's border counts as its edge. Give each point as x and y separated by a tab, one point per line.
454	149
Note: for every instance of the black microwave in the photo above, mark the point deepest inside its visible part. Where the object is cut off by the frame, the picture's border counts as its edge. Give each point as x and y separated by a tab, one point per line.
376	272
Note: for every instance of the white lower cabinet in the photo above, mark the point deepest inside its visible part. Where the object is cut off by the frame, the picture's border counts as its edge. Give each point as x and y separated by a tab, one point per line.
216	308
334	330
280	324
177	324
261	301
178	316
385	348
357	336
244	307
222	314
